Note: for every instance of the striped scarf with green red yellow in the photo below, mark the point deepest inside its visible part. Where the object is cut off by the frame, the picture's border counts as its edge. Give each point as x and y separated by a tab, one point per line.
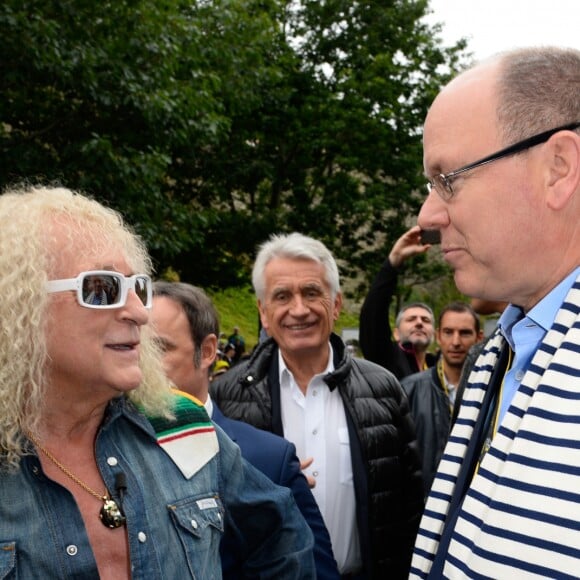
189	439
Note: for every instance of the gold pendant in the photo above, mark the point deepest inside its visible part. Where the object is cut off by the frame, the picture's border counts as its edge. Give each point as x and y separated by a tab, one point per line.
111	515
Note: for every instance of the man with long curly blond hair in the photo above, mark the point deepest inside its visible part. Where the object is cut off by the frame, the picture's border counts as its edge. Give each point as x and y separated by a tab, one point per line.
105	471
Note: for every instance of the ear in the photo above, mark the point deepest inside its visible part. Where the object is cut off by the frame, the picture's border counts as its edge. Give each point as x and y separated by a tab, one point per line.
396	334
208	350
563	169
263	317
337	306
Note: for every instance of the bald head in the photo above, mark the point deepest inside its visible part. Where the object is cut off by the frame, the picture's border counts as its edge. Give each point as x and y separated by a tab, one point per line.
509	222
468	101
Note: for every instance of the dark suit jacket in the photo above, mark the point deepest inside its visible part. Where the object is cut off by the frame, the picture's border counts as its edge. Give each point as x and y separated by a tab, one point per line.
276	458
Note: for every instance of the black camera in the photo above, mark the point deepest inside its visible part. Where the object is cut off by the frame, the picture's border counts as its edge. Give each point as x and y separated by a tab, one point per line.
430	237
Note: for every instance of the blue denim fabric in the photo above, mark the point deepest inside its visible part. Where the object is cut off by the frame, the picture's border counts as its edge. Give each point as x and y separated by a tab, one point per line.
172	532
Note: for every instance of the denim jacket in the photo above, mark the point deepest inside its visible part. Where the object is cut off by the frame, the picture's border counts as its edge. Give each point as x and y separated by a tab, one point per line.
174	524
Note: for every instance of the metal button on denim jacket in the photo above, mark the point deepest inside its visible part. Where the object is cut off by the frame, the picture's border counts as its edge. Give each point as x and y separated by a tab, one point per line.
174	524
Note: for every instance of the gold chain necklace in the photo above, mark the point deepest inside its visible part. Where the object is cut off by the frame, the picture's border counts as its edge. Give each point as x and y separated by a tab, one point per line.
110	514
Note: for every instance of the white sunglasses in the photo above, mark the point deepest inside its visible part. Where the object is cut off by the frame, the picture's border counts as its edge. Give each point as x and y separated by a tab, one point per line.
105	289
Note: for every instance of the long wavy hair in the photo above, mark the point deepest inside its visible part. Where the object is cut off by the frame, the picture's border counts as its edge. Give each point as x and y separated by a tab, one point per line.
30	217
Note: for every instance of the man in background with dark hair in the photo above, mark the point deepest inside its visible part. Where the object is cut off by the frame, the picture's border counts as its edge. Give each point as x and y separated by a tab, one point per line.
432	393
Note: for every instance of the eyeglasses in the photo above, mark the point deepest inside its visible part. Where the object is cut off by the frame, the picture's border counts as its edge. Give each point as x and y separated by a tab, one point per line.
105	289
443	181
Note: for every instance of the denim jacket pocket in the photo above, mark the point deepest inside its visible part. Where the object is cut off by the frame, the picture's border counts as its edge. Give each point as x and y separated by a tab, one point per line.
7	560
199	522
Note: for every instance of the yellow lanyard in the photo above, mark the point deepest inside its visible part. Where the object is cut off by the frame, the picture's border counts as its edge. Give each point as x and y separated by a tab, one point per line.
443	381
495	424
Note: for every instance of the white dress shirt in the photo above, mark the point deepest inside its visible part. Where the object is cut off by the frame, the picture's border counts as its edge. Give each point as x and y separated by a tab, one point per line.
316	424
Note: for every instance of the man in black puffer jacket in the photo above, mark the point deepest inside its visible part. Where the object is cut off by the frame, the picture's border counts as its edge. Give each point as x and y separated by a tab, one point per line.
303	384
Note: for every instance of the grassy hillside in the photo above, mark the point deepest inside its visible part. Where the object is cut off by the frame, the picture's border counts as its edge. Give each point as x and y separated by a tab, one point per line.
237	307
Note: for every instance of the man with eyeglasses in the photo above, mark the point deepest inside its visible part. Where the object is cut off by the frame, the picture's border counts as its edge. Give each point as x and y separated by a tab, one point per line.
505	502
105	471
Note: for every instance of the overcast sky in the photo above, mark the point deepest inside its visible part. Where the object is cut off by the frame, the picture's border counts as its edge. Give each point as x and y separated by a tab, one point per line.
495	25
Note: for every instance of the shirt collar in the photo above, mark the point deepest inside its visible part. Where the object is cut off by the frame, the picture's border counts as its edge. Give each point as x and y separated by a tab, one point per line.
543	313
122	407
209	406
284	373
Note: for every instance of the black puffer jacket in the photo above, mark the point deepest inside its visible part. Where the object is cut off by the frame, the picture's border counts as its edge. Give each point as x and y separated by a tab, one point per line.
430	408
385	459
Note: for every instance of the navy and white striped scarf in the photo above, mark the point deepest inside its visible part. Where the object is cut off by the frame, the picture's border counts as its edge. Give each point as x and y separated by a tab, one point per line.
521	515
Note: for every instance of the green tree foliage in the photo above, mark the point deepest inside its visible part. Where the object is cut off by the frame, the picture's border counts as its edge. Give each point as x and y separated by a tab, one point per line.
211	124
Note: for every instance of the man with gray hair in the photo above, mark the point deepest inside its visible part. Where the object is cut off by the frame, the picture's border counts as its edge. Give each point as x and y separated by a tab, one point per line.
348	417
502	155
186	326
404	350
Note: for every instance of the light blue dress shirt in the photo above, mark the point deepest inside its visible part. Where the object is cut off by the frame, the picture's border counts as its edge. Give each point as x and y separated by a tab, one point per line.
524	334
